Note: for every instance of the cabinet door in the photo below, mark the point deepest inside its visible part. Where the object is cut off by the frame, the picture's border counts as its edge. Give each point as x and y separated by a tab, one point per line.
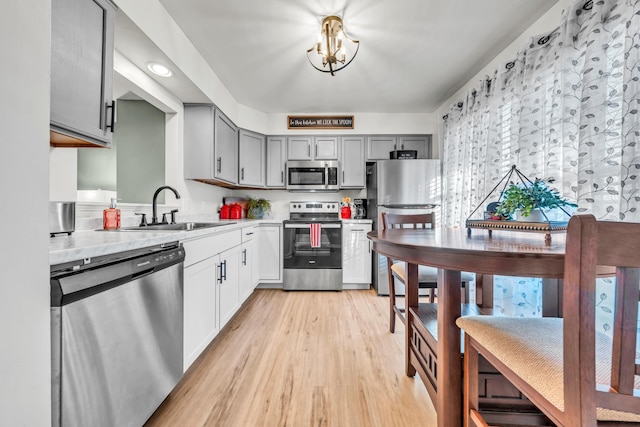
353	163
228	282
270	250
326	148
276	161
198	141
246	271
199	308
252	158
420	143
299	148
356	253
378	147
225	148
82	70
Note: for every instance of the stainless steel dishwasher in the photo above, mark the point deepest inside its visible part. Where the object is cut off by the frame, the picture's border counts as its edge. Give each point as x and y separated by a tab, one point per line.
116	329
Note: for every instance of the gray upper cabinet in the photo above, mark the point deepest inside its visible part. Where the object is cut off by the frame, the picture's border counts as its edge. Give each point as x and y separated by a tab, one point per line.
276	161
82	109
198	141
379	146
299	148
252	158
210	145
326	147
313	148
420	143
353	162
225	148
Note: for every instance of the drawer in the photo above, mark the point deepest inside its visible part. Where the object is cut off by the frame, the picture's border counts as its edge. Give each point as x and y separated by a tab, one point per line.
201	248
248	233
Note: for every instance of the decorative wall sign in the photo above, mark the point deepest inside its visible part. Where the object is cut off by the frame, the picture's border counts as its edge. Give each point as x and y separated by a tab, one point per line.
320	122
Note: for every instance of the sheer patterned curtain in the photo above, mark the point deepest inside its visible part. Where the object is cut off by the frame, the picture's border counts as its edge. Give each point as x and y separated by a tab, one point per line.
564	110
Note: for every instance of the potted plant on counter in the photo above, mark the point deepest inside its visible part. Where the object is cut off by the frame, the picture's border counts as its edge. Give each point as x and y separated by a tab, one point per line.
528	201
257	208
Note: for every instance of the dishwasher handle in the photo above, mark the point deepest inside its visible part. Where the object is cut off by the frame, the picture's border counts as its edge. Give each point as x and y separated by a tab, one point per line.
110	275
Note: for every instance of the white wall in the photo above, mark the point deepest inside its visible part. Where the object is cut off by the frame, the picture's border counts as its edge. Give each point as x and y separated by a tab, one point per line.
25	363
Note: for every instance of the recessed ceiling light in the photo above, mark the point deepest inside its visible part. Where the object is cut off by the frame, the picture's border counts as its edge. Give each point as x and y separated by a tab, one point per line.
159	70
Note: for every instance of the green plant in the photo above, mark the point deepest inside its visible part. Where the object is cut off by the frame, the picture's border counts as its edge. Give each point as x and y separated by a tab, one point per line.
256	208
526	198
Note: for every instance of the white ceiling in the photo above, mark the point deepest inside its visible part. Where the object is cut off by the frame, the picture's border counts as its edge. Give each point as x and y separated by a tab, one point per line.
414	54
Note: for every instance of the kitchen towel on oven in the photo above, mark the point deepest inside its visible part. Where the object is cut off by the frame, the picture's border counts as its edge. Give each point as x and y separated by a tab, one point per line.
315	235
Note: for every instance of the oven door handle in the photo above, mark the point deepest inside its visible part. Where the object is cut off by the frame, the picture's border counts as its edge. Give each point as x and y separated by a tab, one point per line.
306	225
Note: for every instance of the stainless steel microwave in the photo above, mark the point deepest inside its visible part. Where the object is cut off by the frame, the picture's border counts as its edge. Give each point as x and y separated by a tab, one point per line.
313	176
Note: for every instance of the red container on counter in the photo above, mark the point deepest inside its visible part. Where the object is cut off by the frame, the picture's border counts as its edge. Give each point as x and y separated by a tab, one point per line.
225	212
236	211
345	212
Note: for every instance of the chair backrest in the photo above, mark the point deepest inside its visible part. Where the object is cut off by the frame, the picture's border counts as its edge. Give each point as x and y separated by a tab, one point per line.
427	220
592	243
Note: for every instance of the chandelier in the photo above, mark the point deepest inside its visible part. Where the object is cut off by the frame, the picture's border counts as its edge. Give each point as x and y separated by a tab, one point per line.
334	50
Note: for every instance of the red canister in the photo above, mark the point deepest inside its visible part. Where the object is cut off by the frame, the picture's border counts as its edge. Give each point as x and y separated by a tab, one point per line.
225	212
236	211
345	212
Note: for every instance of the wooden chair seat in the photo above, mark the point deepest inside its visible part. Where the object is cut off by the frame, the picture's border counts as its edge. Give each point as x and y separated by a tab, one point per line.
531	349
575	375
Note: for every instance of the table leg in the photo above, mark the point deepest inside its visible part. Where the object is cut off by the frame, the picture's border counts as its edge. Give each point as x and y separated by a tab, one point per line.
449	399
410	300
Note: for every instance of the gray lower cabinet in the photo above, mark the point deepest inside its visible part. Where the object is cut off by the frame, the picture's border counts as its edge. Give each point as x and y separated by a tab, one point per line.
353	162
251	151
82	109
210	145
276	161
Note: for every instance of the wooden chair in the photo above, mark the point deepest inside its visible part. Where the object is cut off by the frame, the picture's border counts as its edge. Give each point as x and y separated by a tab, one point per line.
585	378
427	276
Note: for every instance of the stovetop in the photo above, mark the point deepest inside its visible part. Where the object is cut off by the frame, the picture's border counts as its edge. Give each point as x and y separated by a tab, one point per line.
314	211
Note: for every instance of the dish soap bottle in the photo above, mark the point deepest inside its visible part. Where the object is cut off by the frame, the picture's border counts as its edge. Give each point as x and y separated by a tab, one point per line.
111	217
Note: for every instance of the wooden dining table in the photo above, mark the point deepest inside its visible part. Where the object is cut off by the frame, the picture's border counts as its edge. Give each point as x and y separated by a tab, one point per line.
452	250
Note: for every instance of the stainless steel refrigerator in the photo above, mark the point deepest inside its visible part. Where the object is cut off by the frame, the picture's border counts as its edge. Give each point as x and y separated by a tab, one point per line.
400	187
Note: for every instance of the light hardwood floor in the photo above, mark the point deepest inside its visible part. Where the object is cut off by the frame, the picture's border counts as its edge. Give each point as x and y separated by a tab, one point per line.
302	359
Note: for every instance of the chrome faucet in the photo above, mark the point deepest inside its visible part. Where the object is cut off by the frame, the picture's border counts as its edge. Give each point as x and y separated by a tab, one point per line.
154	217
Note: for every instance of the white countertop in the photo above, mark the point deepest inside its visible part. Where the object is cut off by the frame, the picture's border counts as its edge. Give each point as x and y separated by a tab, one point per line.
357	221
88	244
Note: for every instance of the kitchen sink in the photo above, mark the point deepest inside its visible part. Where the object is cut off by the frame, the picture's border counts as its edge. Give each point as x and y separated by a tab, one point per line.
179	226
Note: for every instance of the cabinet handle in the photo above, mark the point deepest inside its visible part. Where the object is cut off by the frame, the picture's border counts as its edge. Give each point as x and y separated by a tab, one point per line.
282	177
244	257
316	150
219	164
224	275
220	273
242	174
111	107
309	150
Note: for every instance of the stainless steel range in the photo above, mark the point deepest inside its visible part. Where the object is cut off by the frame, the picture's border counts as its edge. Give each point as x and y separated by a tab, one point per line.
313	247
